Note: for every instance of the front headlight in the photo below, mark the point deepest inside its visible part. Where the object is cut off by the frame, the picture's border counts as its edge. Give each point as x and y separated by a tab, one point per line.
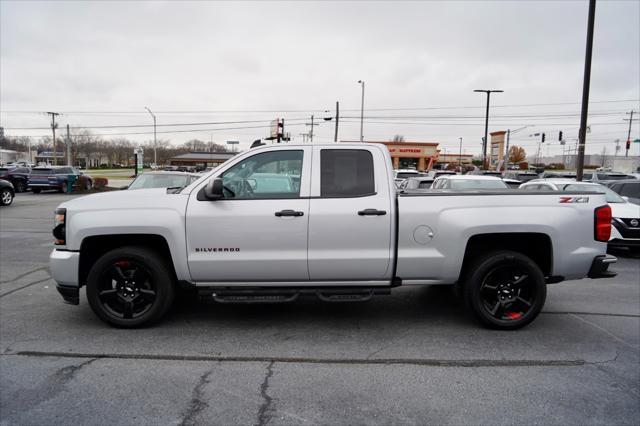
59	227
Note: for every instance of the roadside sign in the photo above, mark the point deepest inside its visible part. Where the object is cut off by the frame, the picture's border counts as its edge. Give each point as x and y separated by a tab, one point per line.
139	157
636	141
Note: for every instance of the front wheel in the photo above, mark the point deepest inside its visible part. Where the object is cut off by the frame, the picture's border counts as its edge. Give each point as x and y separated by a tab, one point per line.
505	290
20	186
6	197
130	287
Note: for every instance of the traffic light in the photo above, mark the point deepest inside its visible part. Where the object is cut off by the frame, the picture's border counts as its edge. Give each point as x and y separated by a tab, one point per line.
560	136
628	144
543	137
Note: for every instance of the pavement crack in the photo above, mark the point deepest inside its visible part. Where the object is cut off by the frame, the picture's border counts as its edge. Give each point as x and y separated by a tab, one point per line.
24	286
42	268
604	330
264	414
197	403
66	374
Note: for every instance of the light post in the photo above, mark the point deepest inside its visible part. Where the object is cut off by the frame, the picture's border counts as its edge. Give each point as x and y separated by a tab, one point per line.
486	124
155	161
362	111
460	156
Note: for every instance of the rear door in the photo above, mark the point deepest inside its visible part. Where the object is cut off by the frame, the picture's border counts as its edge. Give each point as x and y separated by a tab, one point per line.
350	215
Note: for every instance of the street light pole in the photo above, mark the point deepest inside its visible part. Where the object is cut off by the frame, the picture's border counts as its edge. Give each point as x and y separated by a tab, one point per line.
486	124
460	156
155	161
362	111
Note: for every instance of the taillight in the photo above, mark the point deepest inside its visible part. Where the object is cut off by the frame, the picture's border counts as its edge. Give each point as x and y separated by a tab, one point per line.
59	226
602	229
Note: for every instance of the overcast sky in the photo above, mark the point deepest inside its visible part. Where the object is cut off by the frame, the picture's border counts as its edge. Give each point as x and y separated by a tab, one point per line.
101	63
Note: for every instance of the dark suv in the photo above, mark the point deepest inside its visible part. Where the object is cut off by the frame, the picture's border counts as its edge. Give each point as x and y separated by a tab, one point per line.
18	176
56	177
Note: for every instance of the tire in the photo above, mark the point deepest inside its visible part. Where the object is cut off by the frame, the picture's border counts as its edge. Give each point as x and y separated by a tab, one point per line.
130	287
63	187
36	190
88	185
6	197
20	186
505	290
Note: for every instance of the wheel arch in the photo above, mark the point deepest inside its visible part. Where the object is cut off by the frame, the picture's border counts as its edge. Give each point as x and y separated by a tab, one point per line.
537	246
93	247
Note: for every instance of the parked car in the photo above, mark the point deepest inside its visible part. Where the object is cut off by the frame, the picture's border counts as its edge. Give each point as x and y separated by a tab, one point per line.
18	176
627	188
345	233
433	174
412	183
520	175
7	192
475	182
480	172
56	177
512	183
606	176
625	215
405	173
557	175
162	180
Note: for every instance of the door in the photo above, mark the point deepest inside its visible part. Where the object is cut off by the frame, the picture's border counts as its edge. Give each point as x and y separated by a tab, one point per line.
258	231
350	216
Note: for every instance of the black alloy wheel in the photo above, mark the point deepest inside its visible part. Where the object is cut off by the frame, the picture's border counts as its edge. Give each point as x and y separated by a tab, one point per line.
130	287
505	290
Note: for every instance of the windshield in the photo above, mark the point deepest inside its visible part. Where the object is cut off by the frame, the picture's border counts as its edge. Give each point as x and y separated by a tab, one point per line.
477	184
612	197
160	181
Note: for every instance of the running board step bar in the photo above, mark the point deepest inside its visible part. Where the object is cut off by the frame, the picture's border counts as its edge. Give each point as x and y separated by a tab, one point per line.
285	295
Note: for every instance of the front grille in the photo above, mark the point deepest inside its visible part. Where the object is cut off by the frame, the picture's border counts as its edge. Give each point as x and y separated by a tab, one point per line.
625	230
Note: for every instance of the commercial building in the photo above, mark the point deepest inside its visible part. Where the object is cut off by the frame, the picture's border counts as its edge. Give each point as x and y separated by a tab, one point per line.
465	159
410	155
203	159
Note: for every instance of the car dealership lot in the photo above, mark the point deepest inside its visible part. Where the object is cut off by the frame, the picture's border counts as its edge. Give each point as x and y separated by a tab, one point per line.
412	357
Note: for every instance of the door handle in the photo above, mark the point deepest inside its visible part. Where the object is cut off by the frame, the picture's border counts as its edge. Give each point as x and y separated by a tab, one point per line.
282	213
372	212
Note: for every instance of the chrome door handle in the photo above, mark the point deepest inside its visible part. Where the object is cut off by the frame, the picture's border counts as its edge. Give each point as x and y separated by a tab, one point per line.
372	212
282	213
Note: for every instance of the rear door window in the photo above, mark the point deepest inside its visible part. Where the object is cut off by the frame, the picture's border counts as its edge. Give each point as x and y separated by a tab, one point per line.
346	173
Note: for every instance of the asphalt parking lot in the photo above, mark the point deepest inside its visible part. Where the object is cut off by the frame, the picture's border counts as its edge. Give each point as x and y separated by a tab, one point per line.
414	357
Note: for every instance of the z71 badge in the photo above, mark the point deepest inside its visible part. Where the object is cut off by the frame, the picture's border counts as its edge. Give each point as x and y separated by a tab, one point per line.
569	200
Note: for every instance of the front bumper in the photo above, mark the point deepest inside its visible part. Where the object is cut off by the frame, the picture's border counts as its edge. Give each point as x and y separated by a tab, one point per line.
600	266
64	267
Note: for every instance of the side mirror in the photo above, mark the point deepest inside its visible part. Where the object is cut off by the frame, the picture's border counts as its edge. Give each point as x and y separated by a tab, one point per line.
213	190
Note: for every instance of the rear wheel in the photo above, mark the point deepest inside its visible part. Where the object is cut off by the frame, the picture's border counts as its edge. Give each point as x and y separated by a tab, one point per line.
6	197
505	290
130	287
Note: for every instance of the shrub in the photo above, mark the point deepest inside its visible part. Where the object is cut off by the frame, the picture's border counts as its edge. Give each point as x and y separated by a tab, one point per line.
100	182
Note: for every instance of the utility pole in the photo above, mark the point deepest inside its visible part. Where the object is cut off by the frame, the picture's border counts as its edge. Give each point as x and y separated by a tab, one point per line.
335	136
506	162
69	159
53	129
629	133
311	131
460	156
582	134
155	160
362	112
486	125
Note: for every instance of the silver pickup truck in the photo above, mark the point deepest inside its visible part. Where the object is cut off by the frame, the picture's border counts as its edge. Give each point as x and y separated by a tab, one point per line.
277	222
